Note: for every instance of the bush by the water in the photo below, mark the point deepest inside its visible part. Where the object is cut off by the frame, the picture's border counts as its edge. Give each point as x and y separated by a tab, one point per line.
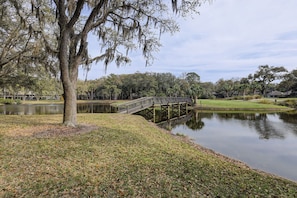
289	103
248	97
9	101
265	101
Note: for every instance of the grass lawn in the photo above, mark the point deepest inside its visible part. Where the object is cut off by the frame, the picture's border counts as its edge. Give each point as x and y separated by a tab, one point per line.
126	156
262	104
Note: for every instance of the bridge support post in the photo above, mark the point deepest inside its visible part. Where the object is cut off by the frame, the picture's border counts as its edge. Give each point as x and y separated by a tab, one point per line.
154	114
168	111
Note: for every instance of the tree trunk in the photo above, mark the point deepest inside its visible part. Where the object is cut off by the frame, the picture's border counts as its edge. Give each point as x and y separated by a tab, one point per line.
195	99
70	106
69	75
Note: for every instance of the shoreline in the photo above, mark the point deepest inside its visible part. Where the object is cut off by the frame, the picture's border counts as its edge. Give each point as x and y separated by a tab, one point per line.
235	161
188	140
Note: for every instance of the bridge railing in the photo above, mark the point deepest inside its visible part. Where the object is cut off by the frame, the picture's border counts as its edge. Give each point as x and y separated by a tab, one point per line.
146	102
166	100
133	105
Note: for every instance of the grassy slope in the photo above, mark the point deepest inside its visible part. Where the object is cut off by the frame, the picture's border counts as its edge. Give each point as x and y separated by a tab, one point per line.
127	156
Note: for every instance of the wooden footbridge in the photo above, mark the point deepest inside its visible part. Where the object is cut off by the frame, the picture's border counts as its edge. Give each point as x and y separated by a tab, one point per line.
169	106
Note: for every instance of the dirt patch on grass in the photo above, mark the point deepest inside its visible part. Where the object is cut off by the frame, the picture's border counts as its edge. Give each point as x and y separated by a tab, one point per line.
62	131
48	130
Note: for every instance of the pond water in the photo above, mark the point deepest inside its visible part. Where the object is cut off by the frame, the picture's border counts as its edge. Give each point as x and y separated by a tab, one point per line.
40	109
263	141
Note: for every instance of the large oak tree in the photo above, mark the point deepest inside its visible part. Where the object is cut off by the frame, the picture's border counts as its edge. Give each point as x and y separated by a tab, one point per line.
119	25
266	74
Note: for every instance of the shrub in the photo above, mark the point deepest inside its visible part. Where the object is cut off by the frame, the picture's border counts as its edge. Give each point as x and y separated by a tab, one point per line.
257	97
289	103
265	101
9	101
247	97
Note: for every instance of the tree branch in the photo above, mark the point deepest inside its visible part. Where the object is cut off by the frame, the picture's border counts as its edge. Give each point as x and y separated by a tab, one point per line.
75	17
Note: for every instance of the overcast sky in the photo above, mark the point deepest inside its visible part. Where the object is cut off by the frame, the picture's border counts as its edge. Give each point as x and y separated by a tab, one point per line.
229	39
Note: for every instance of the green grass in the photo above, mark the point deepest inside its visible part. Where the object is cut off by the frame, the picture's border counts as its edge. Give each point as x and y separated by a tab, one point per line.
261	104
125	157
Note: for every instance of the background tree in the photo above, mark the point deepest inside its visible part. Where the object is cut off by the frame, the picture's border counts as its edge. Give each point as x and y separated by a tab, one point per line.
254	86
243	86
166	82
289	82
194	85
207	89
112	85
226	88
267	74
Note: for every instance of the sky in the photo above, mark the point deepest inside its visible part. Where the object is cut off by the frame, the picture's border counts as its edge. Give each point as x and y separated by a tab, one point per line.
228	39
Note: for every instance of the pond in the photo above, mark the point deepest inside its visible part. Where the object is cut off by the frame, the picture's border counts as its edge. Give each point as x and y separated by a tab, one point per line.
263	141
40	109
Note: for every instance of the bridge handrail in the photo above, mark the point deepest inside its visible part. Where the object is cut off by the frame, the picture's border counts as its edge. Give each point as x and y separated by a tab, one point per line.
145	102
166	100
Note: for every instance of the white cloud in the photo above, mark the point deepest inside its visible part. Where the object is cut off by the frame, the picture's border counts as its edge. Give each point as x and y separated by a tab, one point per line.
229	38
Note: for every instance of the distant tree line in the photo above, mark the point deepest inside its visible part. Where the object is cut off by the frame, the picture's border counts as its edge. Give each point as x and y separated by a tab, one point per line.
267	81
131	86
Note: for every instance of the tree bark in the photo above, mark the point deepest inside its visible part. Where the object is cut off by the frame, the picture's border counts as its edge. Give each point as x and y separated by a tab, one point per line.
70	106
69	75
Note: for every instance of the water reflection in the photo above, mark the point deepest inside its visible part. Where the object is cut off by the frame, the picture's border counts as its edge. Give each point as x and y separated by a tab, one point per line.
264	141
95	108
267	128
23	109
42	109
195	123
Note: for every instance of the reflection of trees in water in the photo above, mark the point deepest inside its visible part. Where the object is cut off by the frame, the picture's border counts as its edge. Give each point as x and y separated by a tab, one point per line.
195	123
266	130
290	118
95	108
241	116
259	121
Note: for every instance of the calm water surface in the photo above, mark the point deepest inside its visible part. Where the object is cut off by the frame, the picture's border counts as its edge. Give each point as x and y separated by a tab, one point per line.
263	141
39	109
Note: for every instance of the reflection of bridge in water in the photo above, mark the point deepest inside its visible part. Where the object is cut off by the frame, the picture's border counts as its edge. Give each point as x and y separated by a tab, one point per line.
169	124
169	107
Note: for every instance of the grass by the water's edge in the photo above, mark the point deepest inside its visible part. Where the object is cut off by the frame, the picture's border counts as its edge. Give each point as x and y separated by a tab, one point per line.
126	156
255	105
